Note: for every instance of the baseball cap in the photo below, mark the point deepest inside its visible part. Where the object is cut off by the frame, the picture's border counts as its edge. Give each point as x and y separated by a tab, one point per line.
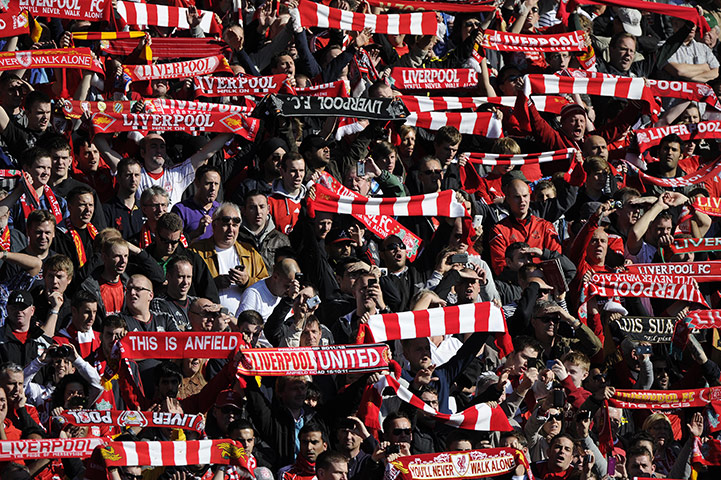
572	109
228	398
710	19
337	235
21	297
614	307
631	20
312	143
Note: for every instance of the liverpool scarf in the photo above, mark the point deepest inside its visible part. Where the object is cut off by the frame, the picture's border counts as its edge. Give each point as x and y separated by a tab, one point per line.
518	42
187	69
479	417
381	225
702	175
93	36
169	48
49	196
708	205
91	10
678	287
419	104
451	6
706	451
442	204
433	78
5	240
686	245
238	86
468	318
75	108
143	345
709	271
357	107
165	16
704	319
333	89
318	15
58	58
131	418
246	127
15	450
323	360
78	242
567	154
487	462
665	399
623	87
171	106
192	452
14	23
649	137
472	123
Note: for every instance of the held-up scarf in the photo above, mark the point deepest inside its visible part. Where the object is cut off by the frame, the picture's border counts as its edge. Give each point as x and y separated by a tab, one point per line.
86	341
14	450
92	10
694	320
706	451
75	108
172	106
479	417
418	104
246	127
323	360
380	225
665	399
472	6
567	154
442	204
704	319
78	242
333	89
131	418
697	92
649	137
165	16
686	245
519	42
356	107
14	23
472	123
238	86
5	239
109	36
192	452
708	205
481	463
702	175
318	15
468	318
57	58
172	345
187	69
702	272
678	287
167	48
433	78
623	87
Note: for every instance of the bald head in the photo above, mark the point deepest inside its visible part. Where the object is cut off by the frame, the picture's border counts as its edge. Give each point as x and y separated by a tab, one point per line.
595	146
518	198
283	278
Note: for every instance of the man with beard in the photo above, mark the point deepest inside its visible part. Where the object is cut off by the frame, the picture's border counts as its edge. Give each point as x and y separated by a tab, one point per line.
196	211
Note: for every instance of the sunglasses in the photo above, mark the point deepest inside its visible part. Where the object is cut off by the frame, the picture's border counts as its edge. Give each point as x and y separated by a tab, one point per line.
599	377
394	246
168	241
473	24
228	409
227	220
401	431
556	416
432	172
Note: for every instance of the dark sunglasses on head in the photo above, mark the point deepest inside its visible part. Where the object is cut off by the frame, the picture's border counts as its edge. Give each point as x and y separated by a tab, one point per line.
401	431
394	246
228	219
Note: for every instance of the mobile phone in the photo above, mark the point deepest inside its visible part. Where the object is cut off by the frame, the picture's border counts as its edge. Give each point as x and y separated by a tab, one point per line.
313	301
299	277
360	168
550	364
611	466
559	398
459	258
643	349
588	458
372	281
393	448
240	267
583	415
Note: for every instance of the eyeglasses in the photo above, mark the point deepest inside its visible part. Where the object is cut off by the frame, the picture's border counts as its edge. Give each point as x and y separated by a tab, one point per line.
432	172
599	377
227	220
394	246
401	431
133	288
473	24
168	241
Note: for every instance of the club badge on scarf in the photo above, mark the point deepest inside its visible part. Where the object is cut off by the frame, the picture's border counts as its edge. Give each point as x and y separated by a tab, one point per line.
130	418
14	23
192	452
481	463
187	69
143	345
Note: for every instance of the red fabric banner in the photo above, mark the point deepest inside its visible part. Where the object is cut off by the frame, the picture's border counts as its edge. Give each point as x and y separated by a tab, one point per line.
702	175
174	47
130	418
92	10
75	108
452	6
665	399
649	137
14	450
433	78
142	345
685	245
482	463
58	58
246	127
706	451
702	272
324	360
191	452
518	42
172	106
708	205
14	23
238	86
380	225
187	69
679	287
704	319
333	89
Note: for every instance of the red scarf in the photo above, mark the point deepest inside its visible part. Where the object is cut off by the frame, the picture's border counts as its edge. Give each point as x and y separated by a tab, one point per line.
433	78
190	68
78	242
519	42
146	237
81	58
175	47
5	239
15	23
49	195
302	469
238	86
85	342
92	10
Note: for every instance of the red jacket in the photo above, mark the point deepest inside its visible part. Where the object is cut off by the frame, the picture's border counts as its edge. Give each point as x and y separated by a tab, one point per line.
536	232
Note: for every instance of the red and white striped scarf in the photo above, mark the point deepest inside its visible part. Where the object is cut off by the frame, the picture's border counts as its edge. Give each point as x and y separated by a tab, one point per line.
420	5
472	123
192	452
441	204
318	15
87	342
468	318
143	14
567	154
702	175
519	42
433	78
623	87
418	104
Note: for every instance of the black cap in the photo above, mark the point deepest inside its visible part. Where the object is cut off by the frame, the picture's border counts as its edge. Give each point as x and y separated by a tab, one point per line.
21	297
337	235
312	143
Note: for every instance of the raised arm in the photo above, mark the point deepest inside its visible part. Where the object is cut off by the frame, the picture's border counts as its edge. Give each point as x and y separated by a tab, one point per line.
201	156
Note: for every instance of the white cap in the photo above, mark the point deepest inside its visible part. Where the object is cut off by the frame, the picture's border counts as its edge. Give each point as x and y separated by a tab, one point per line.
631	20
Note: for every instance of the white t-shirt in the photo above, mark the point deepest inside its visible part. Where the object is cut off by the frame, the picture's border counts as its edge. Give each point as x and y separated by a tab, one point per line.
257	297
174	180
227	259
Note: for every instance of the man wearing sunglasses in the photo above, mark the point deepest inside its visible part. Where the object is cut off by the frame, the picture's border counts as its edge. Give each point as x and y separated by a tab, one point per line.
558	332
233	265
404	277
